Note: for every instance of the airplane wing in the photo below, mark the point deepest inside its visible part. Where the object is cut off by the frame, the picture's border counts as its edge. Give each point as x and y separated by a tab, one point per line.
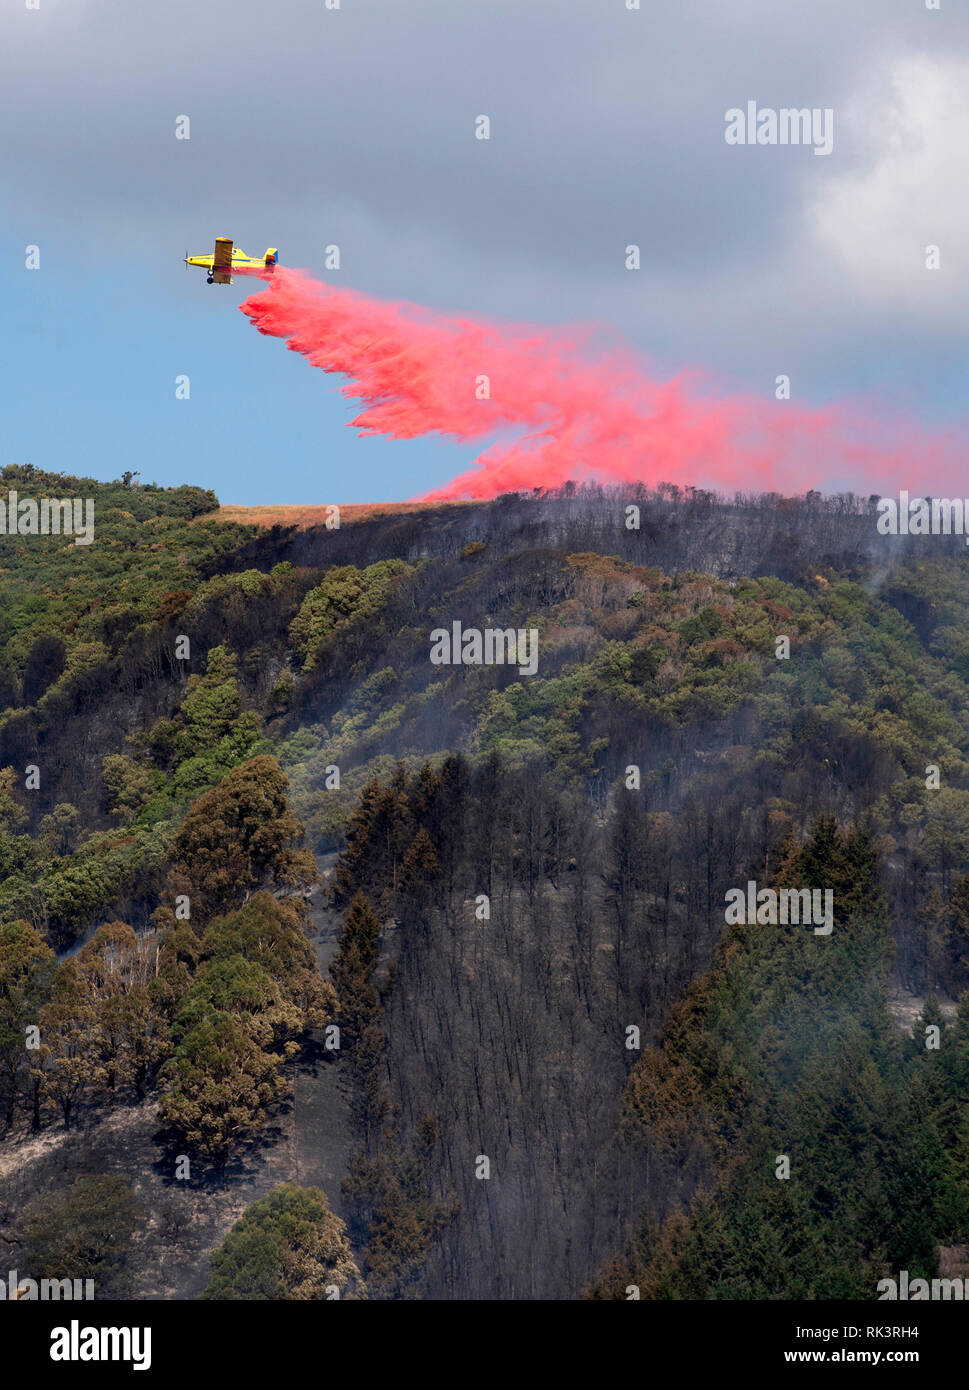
222	261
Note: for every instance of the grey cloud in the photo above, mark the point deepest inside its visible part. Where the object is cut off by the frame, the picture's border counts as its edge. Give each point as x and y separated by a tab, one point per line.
355	126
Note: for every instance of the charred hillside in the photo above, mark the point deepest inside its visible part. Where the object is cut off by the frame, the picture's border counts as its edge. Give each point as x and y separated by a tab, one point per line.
561	1065
677	529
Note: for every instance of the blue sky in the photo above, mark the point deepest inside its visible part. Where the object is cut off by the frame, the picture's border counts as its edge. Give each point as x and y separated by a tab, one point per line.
90	353
311	127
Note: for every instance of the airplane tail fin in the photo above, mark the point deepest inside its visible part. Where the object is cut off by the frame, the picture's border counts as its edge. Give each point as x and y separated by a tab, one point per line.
270	259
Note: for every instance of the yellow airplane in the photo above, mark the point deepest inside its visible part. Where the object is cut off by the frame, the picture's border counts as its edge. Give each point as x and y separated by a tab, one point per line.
224	260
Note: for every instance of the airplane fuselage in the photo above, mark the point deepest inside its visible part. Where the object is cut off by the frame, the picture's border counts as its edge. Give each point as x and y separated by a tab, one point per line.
239	260
226	258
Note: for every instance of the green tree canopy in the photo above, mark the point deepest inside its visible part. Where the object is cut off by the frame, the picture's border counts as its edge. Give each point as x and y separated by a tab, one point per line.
288	1245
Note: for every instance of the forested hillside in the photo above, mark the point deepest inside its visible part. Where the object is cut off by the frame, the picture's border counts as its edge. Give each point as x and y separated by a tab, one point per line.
263	860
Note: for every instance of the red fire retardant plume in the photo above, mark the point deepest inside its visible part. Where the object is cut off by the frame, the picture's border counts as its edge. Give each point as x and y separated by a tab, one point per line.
562	404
